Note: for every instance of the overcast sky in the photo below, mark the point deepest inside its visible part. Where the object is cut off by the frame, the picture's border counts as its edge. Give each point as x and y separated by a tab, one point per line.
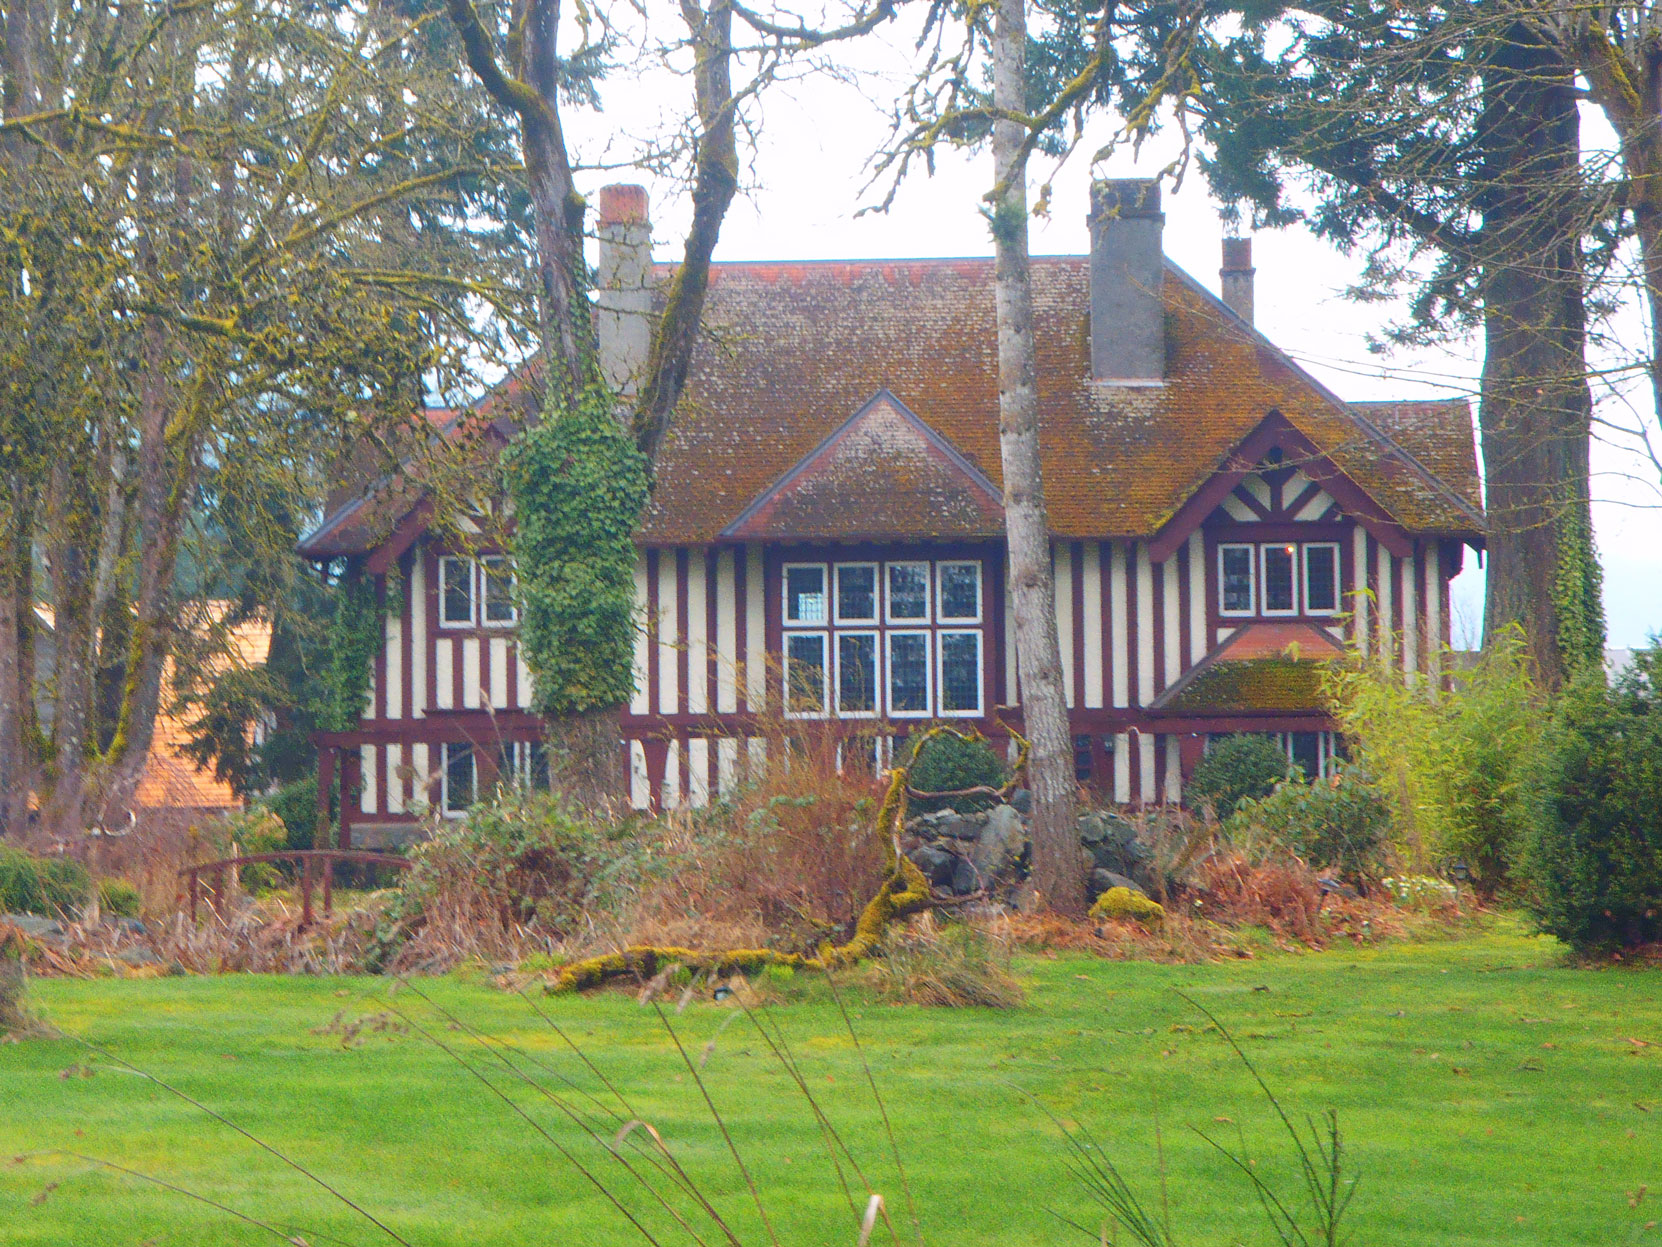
809	182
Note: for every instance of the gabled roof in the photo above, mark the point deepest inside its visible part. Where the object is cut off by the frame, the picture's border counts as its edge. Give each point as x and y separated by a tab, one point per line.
789	349
1261	666
882	474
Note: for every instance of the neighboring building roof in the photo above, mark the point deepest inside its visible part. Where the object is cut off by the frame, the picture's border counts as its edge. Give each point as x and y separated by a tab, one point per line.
173	779
791	349
882	472
1262	666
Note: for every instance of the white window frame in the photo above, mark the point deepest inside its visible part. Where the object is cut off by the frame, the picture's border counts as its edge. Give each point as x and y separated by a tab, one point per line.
472	592
785	619
1304	570
878	685
826	658
1252	591
444	778
1264	549
980	673
889	638
940	598
928	593
483	598
877	586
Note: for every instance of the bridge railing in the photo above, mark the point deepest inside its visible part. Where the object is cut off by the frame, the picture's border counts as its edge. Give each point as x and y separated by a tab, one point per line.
311	862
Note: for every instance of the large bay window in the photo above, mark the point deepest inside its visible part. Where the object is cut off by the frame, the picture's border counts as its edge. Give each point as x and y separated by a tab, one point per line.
1278	578
873	640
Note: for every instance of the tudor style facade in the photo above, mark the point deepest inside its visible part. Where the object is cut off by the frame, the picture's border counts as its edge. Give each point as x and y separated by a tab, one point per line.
825	540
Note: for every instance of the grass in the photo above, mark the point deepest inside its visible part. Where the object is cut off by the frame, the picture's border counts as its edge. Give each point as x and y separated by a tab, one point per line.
1488	1094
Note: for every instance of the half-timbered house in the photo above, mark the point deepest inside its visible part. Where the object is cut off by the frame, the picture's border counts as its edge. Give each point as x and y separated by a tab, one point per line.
825	537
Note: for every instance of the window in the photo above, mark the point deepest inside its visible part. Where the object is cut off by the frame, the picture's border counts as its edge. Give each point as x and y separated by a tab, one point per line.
960	593
908	673
872	640
1082	759
960	675
1236	580
857	673
804	594
857	593
908	593
456	592
1321	579
805	674
524	765
496	575
1279	578
458	780
1280	590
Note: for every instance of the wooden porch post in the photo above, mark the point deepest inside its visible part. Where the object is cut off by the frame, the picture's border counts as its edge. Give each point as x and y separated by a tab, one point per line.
325	782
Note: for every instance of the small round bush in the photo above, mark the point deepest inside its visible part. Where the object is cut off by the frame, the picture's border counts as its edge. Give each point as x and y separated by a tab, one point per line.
296	804
949	764
1339	821
1234	769
118	898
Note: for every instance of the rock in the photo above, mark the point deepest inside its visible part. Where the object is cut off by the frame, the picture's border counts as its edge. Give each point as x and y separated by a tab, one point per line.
132	926
928	826
1000	842
1104	880
34	926
1022	800
964	827
965	878
1124	903
136	956
936	864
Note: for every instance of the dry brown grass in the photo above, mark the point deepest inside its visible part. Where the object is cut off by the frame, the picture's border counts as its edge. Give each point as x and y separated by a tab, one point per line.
788	863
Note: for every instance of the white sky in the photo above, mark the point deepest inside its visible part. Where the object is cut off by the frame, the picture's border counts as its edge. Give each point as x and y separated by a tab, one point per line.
808	179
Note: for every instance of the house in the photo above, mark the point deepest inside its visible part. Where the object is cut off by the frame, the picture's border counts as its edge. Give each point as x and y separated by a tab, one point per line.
825	539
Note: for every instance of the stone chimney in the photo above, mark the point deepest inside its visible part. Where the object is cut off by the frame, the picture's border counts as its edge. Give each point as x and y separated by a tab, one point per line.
1128	269
1236	275
623	294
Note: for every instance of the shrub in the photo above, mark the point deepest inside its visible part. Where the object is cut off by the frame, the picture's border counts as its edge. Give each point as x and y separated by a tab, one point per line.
1339	821
1420	892
295	803
525	858
118	898
1594	859
950	764
48	886
1456	769
1235	769
247	832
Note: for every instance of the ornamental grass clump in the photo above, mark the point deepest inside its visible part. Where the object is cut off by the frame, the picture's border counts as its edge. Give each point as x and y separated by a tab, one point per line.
51	887
948	965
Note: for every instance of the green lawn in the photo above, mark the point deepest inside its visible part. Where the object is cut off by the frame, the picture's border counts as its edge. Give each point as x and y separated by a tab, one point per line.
1489	1095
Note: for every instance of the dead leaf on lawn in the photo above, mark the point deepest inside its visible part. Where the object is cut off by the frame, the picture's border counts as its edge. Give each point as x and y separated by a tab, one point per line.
40	1199
1635	1198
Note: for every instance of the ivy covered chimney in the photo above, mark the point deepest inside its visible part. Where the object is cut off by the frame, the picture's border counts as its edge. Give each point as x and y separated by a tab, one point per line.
1128	269
623	295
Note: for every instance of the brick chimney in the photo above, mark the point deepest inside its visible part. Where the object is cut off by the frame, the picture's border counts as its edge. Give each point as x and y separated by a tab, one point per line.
623	294
1236	275
1128	269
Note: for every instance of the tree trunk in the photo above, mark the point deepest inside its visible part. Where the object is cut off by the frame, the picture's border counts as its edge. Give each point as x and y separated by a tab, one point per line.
1536	408
585	756
1057	876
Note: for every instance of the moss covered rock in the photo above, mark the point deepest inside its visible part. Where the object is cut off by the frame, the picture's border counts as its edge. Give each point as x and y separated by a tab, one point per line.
1124	903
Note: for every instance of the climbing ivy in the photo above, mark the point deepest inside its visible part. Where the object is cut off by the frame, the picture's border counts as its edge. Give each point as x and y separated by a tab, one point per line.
578	485
354	636
1578	585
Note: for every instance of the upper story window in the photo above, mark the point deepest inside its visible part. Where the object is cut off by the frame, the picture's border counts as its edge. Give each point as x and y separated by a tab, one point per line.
1278	578
864	640
476	592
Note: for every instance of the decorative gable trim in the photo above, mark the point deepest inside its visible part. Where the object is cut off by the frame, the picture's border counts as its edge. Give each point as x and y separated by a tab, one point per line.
1276	432
985	499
